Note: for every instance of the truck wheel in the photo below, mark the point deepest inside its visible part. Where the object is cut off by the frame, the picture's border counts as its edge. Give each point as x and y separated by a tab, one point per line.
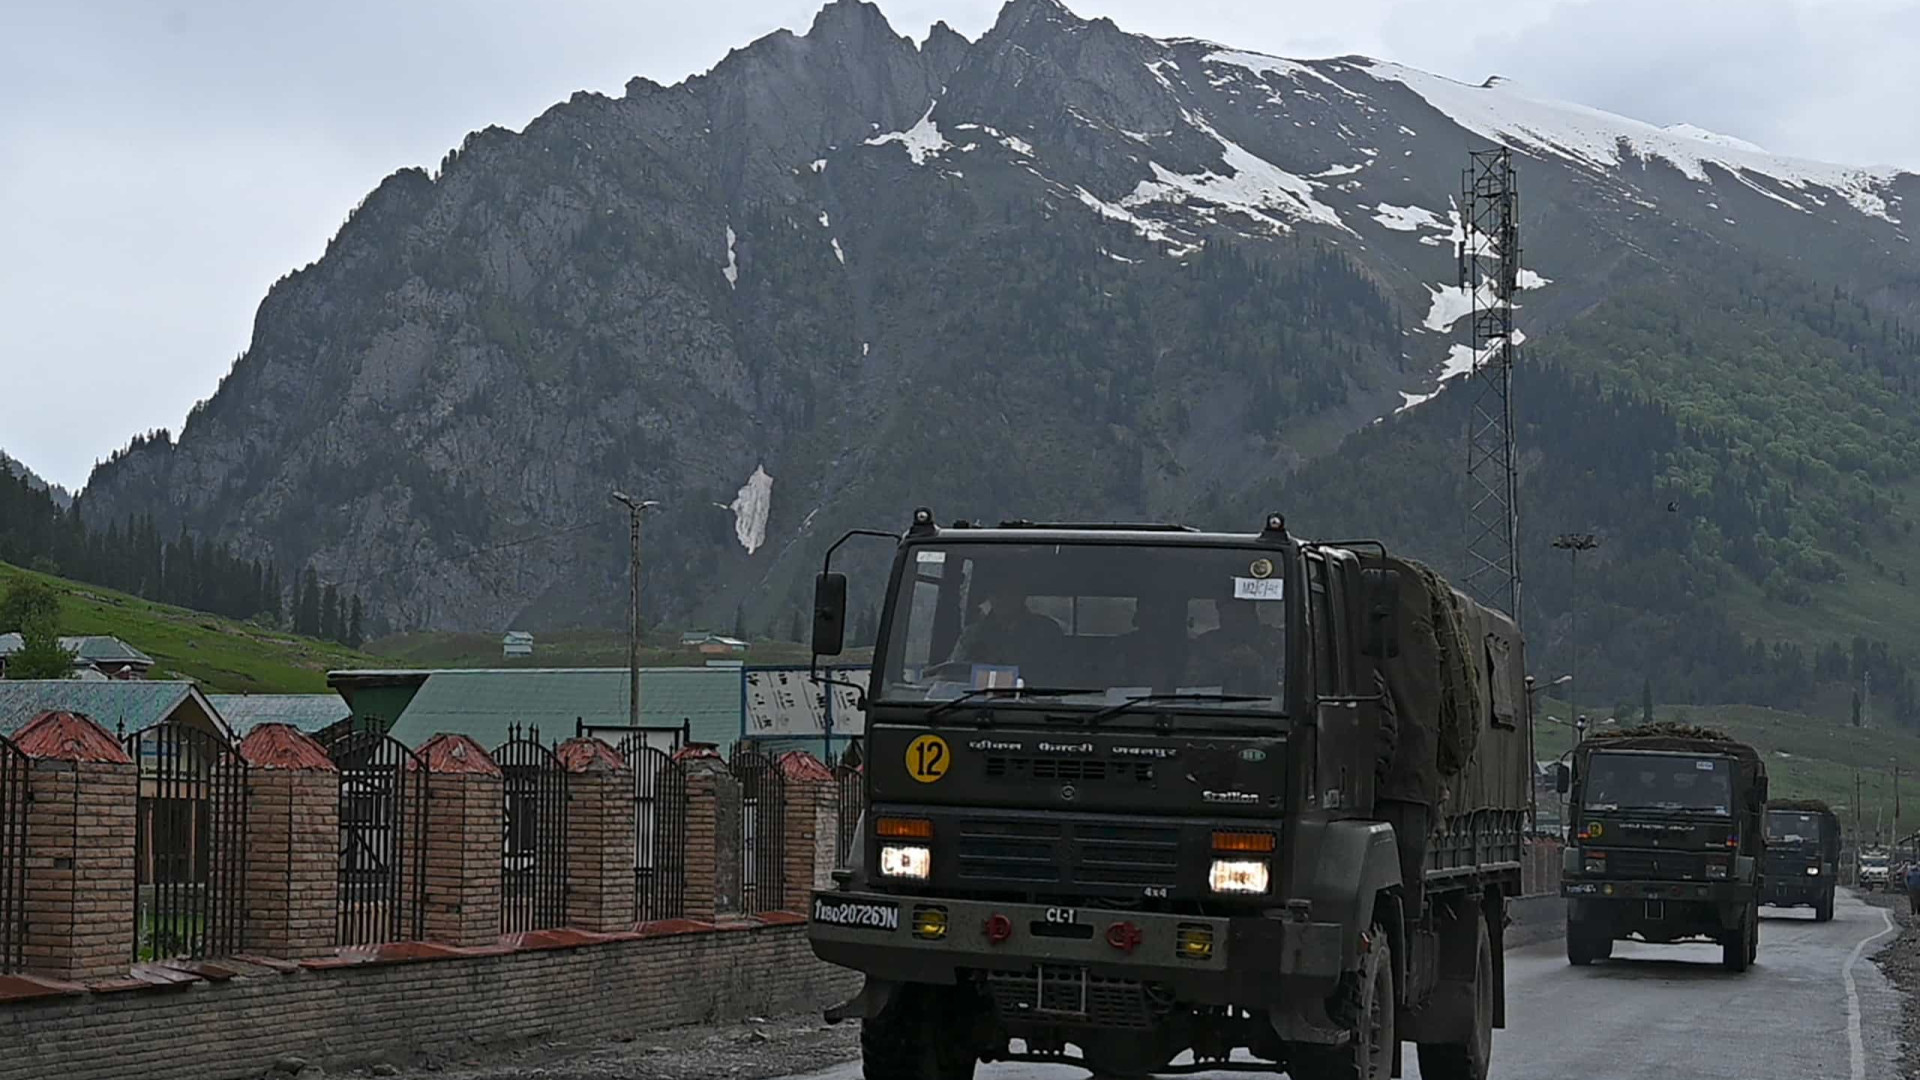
1583	944
1823	907
1468	1060
1737	946
920	1035
1368	1055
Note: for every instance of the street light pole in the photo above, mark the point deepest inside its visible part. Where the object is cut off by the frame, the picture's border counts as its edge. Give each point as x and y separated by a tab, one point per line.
634	509
1573	544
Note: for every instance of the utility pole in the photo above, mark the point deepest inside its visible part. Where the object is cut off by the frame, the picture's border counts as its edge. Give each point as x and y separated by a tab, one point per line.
1573	544
634	509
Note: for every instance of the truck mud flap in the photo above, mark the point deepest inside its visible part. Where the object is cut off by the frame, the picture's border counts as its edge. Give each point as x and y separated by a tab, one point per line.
865	1005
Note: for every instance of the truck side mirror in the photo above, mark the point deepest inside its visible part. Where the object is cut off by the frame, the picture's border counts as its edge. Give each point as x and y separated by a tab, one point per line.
829	613
1760	791
1562	778
1381	589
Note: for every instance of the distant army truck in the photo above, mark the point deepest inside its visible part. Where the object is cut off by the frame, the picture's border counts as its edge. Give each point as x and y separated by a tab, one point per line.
1143	790
1669	842
1803	856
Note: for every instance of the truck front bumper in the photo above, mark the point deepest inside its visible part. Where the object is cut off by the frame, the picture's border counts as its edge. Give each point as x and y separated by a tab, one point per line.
1712	892
1247	961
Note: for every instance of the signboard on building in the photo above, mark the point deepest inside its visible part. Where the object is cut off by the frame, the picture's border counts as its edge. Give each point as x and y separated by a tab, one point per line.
789	701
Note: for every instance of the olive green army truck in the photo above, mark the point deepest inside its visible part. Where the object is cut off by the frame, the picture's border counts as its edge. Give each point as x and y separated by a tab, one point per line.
1803	856
1138	791
1668	842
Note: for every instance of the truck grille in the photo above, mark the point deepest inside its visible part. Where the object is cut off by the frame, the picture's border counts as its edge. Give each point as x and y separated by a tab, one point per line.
1027	853
1656	864
1065	994
1068	770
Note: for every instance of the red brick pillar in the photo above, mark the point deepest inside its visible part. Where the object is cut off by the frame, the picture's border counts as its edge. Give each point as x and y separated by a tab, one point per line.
80	841
705	773
465	839
600	837
811	826
293	844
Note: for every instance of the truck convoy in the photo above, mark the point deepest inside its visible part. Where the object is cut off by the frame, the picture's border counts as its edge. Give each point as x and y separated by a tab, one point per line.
1668	842
1142	790
1802	866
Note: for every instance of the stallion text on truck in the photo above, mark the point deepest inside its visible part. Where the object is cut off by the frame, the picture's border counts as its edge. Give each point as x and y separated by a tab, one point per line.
1669	842
1803	856
1142	790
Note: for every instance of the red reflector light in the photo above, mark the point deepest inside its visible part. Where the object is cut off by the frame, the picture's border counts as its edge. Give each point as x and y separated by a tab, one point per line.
1124	936
998	929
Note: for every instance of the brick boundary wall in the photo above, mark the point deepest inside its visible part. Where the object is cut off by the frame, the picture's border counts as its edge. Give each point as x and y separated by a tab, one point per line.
422	1001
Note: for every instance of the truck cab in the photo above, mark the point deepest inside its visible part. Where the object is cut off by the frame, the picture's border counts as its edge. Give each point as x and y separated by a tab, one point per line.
1803	857
1121	797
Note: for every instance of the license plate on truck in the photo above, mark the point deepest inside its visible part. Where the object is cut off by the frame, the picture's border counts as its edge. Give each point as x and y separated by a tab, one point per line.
856	914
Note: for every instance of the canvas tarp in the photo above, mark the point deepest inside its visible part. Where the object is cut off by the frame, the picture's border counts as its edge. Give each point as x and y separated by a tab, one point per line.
1438	684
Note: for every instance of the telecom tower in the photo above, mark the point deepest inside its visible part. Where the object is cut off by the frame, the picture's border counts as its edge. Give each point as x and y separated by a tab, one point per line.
1489	268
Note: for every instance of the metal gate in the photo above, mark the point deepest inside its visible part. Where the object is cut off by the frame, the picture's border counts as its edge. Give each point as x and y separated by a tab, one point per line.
190	844
763	830
659	831
533	860
383	840
13	857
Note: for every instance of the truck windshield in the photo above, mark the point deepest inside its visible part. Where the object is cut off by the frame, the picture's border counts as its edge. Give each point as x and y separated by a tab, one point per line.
1792	827
1627	781
1089	624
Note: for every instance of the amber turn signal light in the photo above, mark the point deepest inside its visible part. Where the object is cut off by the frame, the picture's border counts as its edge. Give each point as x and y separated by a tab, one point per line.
910	828
1243	841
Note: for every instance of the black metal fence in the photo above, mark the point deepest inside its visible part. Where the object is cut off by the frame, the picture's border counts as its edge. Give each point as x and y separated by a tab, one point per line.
533	866
763	829
383	840
659	831
190	844
850	801
13	857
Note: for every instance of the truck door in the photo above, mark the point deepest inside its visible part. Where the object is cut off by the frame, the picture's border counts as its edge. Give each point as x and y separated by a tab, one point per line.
1345	748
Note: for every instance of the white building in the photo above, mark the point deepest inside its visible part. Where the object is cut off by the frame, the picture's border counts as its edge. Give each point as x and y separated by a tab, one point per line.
516	643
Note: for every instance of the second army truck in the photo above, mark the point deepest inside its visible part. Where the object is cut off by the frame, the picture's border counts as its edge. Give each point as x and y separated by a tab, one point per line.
1141	790
1667	842
1803	856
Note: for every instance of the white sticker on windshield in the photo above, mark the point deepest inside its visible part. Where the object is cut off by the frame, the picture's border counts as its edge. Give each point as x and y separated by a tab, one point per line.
931	556
1703	766
1253	588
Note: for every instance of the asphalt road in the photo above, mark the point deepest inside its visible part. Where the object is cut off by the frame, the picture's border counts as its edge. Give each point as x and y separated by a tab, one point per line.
1669	1012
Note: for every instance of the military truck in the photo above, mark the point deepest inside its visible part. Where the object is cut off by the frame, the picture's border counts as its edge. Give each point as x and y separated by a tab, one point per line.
1141	790
1803	856
1669	839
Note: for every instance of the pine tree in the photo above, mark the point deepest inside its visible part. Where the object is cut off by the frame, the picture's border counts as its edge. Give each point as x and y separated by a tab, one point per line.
271	601
306	618
356	631
1856	706
796	632
740	621
1646	701
330	613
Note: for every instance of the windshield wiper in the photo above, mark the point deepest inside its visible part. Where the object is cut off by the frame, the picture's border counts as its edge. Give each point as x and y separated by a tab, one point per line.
1006	691
1141	699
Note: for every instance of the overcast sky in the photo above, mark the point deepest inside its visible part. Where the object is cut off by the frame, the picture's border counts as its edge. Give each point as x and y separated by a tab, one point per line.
162	163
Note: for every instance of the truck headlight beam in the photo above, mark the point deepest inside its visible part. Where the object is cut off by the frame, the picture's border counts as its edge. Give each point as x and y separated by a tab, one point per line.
1245	876
906	861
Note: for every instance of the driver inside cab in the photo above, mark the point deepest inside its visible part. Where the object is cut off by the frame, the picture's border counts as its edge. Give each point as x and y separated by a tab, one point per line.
1009	633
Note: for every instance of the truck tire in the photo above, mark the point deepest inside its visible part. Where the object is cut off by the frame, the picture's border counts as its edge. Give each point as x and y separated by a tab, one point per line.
1737	946
1587	943
1369	1054
1469	1060
920	1035
1823	907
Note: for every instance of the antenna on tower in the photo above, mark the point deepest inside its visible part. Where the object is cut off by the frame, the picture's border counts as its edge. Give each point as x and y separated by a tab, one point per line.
1489	260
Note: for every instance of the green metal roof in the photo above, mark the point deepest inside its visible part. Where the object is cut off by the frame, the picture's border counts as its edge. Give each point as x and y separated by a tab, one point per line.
111	703
307	712
485	704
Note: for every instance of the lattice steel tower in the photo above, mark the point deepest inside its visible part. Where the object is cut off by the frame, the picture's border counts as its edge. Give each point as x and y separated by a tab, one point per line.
1489	269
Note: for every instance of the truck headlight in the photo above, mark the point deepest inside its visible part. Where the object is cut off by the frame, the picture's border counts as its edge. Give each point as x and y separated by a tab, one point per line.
1238	876
906	862
1716	871
1596	866
1813	871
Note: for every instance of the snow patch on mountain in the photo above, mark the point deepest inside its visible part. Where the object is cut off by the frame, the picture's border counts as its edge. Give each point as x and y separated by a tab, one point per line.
1598	140
750	509
1271	65
921	141
732	269
1256	187
837	253
1407	218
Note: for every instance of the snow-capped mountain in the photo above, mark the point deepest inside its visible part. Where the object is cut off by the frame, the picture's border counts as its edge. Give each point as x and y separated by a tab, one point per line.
1061	270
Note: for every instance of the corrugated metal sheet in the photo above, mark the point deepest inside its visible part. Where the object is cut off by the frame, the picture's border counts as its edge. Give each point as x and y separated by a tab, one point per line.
109	703
307	712
484	704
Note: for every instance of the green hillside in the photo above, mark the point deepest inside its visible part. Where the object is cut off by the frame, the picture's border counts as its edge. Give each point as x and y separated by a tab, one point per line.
1807	756
222	655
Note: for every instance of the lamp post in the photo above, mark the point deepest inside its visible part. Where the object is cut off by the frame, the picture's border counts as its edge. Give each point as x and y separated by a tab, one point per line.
1573	544
635	507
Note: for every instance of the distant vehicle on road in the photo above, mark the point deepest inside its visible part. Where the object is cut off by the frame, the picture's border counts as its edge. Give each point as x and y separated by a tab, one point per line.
1669	842
1875	873
1803	856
